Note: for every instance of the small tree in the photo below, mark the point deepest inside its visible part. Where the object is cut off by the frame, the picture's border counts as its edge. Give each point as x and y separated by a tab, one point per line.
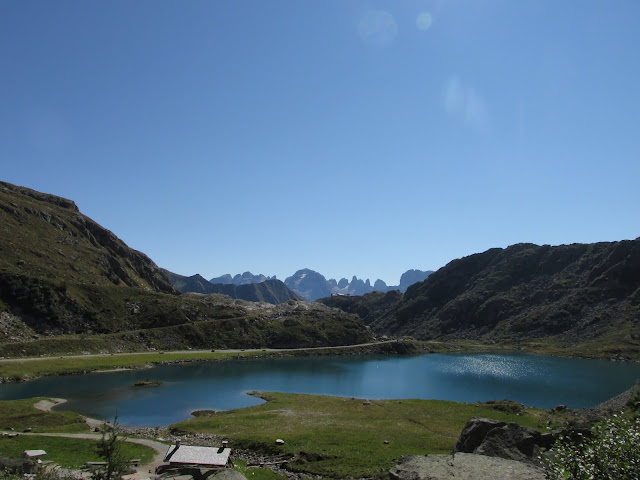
109	449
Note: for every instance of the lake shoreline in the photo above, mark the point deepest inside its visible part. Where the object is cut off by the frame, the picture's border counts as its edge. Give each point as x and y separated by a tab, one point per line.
535	380
400	347
56	365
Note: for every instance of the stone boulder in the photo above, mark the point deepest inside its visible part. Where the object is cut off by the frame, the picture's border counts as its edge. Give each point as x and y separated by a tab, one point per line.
474	432
493	438
512	442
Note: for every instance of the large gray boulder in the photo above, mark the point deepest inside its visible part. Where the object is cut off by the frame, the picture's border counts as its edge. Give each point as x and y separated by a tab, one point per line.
494	438
512	442
474	432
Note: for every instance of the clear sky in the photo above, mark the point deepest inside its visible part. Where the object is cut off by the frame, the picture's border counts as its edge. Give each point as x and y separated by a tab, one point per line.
352	137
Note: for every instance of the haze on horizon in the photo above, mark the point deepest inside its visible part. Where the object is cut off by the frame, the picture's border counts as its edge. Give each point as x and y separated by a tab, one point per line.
350	137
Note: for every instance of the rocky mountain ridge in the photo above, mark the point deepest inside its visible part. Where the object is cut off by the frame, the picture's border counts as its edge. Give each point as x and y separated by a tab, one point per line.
567	295
312	285
241	279
269	291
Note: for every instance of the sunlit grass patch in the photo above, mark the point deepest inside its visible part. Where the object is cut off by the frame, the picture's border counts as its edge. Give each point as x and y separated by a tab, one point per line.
349	437
68	452
21	414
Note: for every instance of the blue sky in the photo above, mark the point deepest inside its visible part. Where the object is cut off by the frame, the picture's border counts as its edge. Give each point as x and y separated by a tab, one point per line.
353	137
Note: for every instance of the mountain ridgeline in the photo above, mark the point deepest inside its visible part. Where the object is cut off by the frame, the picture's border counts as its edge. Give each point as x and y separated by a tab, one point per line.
245	278
267	290
304	284
69	285
580	294
313	286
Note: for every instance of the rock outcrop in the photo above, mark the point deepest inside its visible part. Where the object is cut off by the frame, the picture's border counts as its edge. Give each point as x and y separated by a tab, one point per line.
494	438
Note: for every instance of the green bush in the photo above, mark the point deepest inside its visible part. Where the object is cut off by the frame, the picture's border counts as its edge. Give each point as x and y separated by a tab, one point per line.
611	453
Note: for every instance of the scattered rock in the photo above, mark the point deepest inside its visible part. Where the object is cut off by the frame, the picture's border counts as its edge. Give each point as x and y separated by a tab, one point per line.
228	475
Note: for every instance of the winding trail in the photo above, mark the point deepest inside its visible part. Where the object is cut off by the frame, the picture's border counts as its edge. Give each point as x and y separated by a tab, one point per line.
160	448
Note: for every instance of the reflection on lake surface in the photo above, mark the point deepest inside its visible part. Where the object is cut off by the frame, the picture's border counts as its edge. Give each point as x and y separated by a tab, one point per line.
534	380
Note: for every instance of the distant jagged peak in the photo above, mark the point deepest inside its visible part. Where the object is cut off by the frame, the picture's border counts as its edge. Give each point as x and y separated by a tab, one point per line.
225	279
245	278
410	277
312	285
380	285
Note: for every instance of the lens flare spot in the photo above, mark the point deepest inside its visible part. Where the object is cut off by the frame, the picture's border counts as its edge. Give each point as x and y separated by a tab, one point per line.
377	27
424	21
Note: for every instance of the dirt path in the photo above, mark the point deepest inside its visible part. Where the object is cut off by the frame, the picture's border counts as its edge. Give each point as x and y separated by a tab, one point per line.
233	350
47	404
160	448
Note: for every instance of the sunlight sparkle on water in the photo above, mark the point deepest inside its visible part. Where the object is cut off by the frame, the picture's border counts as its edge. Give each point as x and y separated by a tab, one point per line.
496	366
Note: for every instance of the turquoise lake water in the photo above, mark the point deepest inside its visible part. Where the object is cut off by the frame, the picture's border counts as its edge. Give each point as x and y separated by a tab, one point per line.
534	380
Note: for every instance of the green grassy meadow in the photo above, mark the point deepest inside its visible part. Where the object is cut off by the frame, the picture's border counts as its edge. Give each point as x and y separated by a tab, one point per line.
344	437
21	414
68	452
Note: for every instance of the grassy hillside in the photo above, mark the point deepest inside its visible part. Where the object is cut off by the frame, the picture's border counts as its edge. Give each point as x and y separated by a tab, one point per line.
69	285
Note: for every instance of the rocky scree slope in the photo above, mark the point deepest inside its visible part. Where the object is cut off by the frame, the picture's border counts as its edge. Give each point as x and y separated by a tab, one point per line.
61	273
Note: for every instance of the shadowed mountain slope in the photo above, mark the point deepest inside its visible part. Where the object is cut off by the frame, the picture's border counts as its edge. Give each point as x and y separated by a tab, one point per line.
583	296
574	293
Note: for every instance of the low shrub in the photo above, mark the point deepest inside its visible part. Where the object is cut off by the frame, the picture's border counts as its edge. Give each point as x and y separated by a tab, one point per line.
612	452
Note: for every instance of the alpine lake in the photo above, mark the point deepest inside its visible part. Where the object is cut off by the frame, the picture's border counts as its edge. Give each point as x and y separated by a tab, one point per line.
534	380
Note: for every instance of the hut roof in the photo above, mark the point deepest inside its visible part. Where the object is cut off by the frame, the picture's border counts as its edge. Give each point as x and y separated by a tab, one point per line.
188	455
33	453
